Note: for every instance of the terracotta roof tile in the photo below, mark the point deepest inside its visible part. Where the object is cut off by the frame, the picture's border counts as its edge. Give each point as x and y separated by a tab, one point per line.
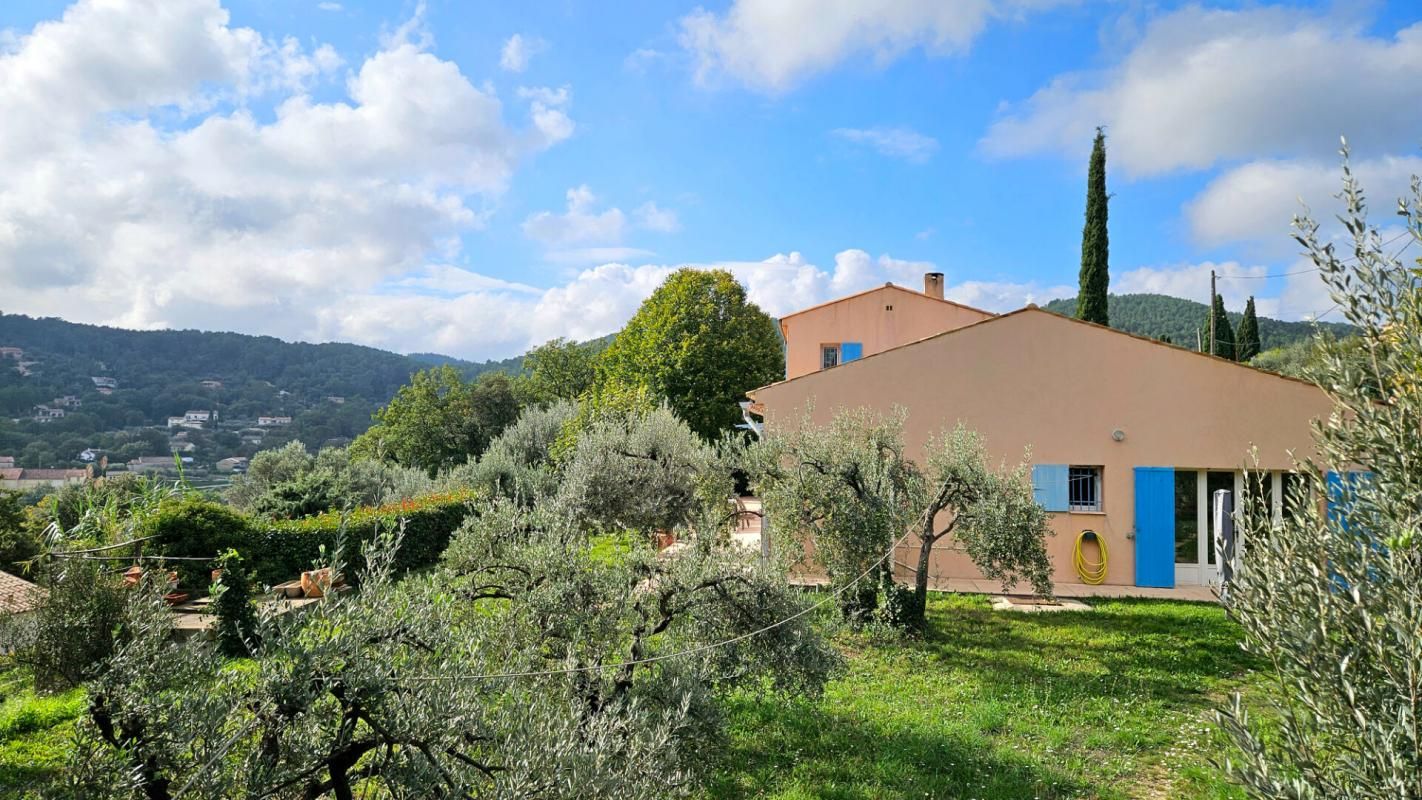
18	595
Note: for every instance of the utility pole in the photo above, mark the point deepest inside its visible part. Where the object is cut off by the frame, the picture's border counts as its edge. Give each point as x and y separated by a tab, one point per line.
1211	351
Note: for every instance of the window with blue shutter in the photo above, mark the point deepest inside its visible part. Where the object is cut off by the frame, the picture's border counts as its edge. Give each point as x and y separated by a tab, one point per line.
1049	485
849	351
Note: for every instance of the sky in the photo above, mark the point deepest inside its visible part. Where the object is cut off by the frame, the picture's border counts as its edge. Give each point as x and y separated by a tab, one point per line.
475	178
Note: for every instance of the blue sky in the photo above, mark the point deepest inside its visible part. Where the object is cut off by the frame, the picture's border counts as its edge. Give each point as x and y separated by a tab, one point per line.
474	178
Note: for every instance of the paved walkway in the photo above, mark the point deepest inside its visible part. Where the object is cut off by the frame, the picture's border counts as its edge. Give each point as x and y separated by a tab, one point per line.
1197	594
1194	594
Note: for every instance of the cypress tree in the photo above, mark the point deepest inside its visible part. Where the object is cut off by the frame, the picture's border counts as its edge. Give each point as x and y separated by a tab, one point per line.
1224	332
1095	244
1247	339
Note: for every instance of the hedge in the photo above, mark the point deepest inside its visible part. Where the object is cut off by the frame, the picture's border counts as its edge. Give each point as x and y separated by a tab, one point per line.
280	551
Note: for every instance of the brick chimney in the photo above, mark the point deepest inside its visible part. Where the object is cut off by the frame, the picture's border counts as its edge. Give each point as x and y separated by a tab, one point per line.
933	284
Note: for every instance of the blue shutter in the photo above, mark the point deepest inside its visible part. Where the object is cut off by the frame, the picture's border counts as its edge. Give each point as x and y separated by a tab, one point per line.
849	351
1339	503
1049	486
1155	526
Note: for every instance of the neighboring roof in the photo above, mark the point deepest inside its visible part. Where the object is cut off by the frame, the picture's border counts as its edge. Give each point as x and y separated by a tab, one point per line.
1033	309
51	474
886	286
18	595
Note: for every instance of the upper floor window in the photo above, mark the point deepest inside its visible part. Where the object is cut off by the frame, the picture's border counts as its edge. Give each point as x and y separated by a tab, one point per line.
829	355
1084	489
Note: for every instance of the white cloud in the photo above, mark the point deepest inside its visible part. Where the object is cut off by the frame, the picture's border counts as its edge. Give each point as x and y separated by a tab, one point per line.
904	143
1255	202
141	191
583	224
432	310
579	224
653	218
330	6
518	50
774	44
1205	86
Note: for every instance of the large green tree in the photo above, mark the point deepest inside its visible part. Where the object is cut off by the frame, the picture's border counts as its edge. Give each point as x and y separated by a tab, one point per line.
1247	344
701	345
557	370
1224	332
1095	243
438	420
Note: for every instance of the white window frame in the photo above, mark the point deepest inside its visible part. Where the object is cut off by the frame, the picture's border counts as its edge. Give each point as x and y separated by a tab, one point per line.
825	350
1074	475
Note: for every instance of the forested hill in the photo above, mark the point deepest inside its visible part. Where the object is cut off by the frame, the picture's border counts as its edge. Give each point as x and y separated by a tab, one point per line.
329	390
1162	316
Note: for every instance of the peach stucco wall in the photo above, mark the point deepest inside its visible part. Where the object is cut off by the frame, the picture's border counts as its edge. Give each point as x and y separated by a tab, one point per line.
1059	386
865	318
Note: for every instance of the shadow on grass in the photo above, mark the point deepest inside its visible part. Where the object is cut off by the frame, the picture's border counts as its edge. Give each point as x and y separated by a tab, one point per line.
1168	651
795	749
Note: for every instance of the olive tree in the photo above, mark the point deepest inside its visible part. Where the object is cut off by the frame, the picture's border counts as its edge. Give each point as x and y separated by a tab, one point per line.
989	514
849	486
522	668
1330	598
519	463
852	489
641	471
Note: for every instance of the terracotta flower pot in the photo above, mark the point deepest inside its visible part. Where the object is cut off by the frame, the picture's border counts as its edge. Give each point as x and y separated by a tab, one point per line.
133	575
665	539
216	575
317	582
175	598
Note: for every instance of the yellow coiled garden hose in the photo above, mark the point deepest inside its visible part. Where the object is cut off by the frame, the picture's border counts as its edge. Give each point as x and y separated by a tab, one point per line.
1091	572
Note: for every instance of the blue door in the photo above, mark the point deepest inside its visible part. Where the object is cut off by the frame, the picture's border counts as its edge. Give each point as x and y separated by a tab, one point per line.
1155	527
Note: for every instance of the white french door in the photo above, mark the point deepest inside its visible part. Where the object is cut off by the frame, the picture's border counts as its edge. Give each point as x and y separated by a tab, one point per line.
1196	562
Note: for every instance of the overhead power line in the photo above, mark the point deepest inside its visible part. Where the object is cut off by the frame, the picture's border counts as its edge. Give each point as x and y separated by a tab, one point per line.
705	648
1224	277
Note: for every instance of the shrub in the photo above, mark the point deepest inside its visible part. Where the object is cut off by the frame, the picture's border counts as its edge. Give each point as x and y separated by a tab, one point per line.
236	619
281	550
195	528
70	638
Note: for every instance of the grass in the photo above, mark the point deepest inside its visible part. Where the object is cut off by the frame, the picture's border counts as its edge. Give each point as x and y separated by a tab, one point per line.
35	733
1113	703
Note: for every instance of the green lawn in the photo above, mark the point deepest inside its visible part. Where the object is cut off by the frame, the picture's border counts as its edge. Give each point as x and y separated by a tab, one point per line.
35	733
1114	703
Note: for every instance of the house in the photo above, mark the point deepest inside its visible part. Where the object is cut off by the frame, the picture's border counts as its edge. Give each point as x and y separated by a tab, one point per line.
200	416
18	598
211	384
104	383
90	454
232	464
1128	436
150	464
45	413
68	401
18	478
7	462
267	422
878	319
12	353
335	399
178	446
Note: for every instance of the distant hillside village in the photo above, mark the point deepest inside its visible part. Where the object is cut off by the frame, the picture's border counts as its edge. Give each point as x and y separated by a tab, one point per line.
78	400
